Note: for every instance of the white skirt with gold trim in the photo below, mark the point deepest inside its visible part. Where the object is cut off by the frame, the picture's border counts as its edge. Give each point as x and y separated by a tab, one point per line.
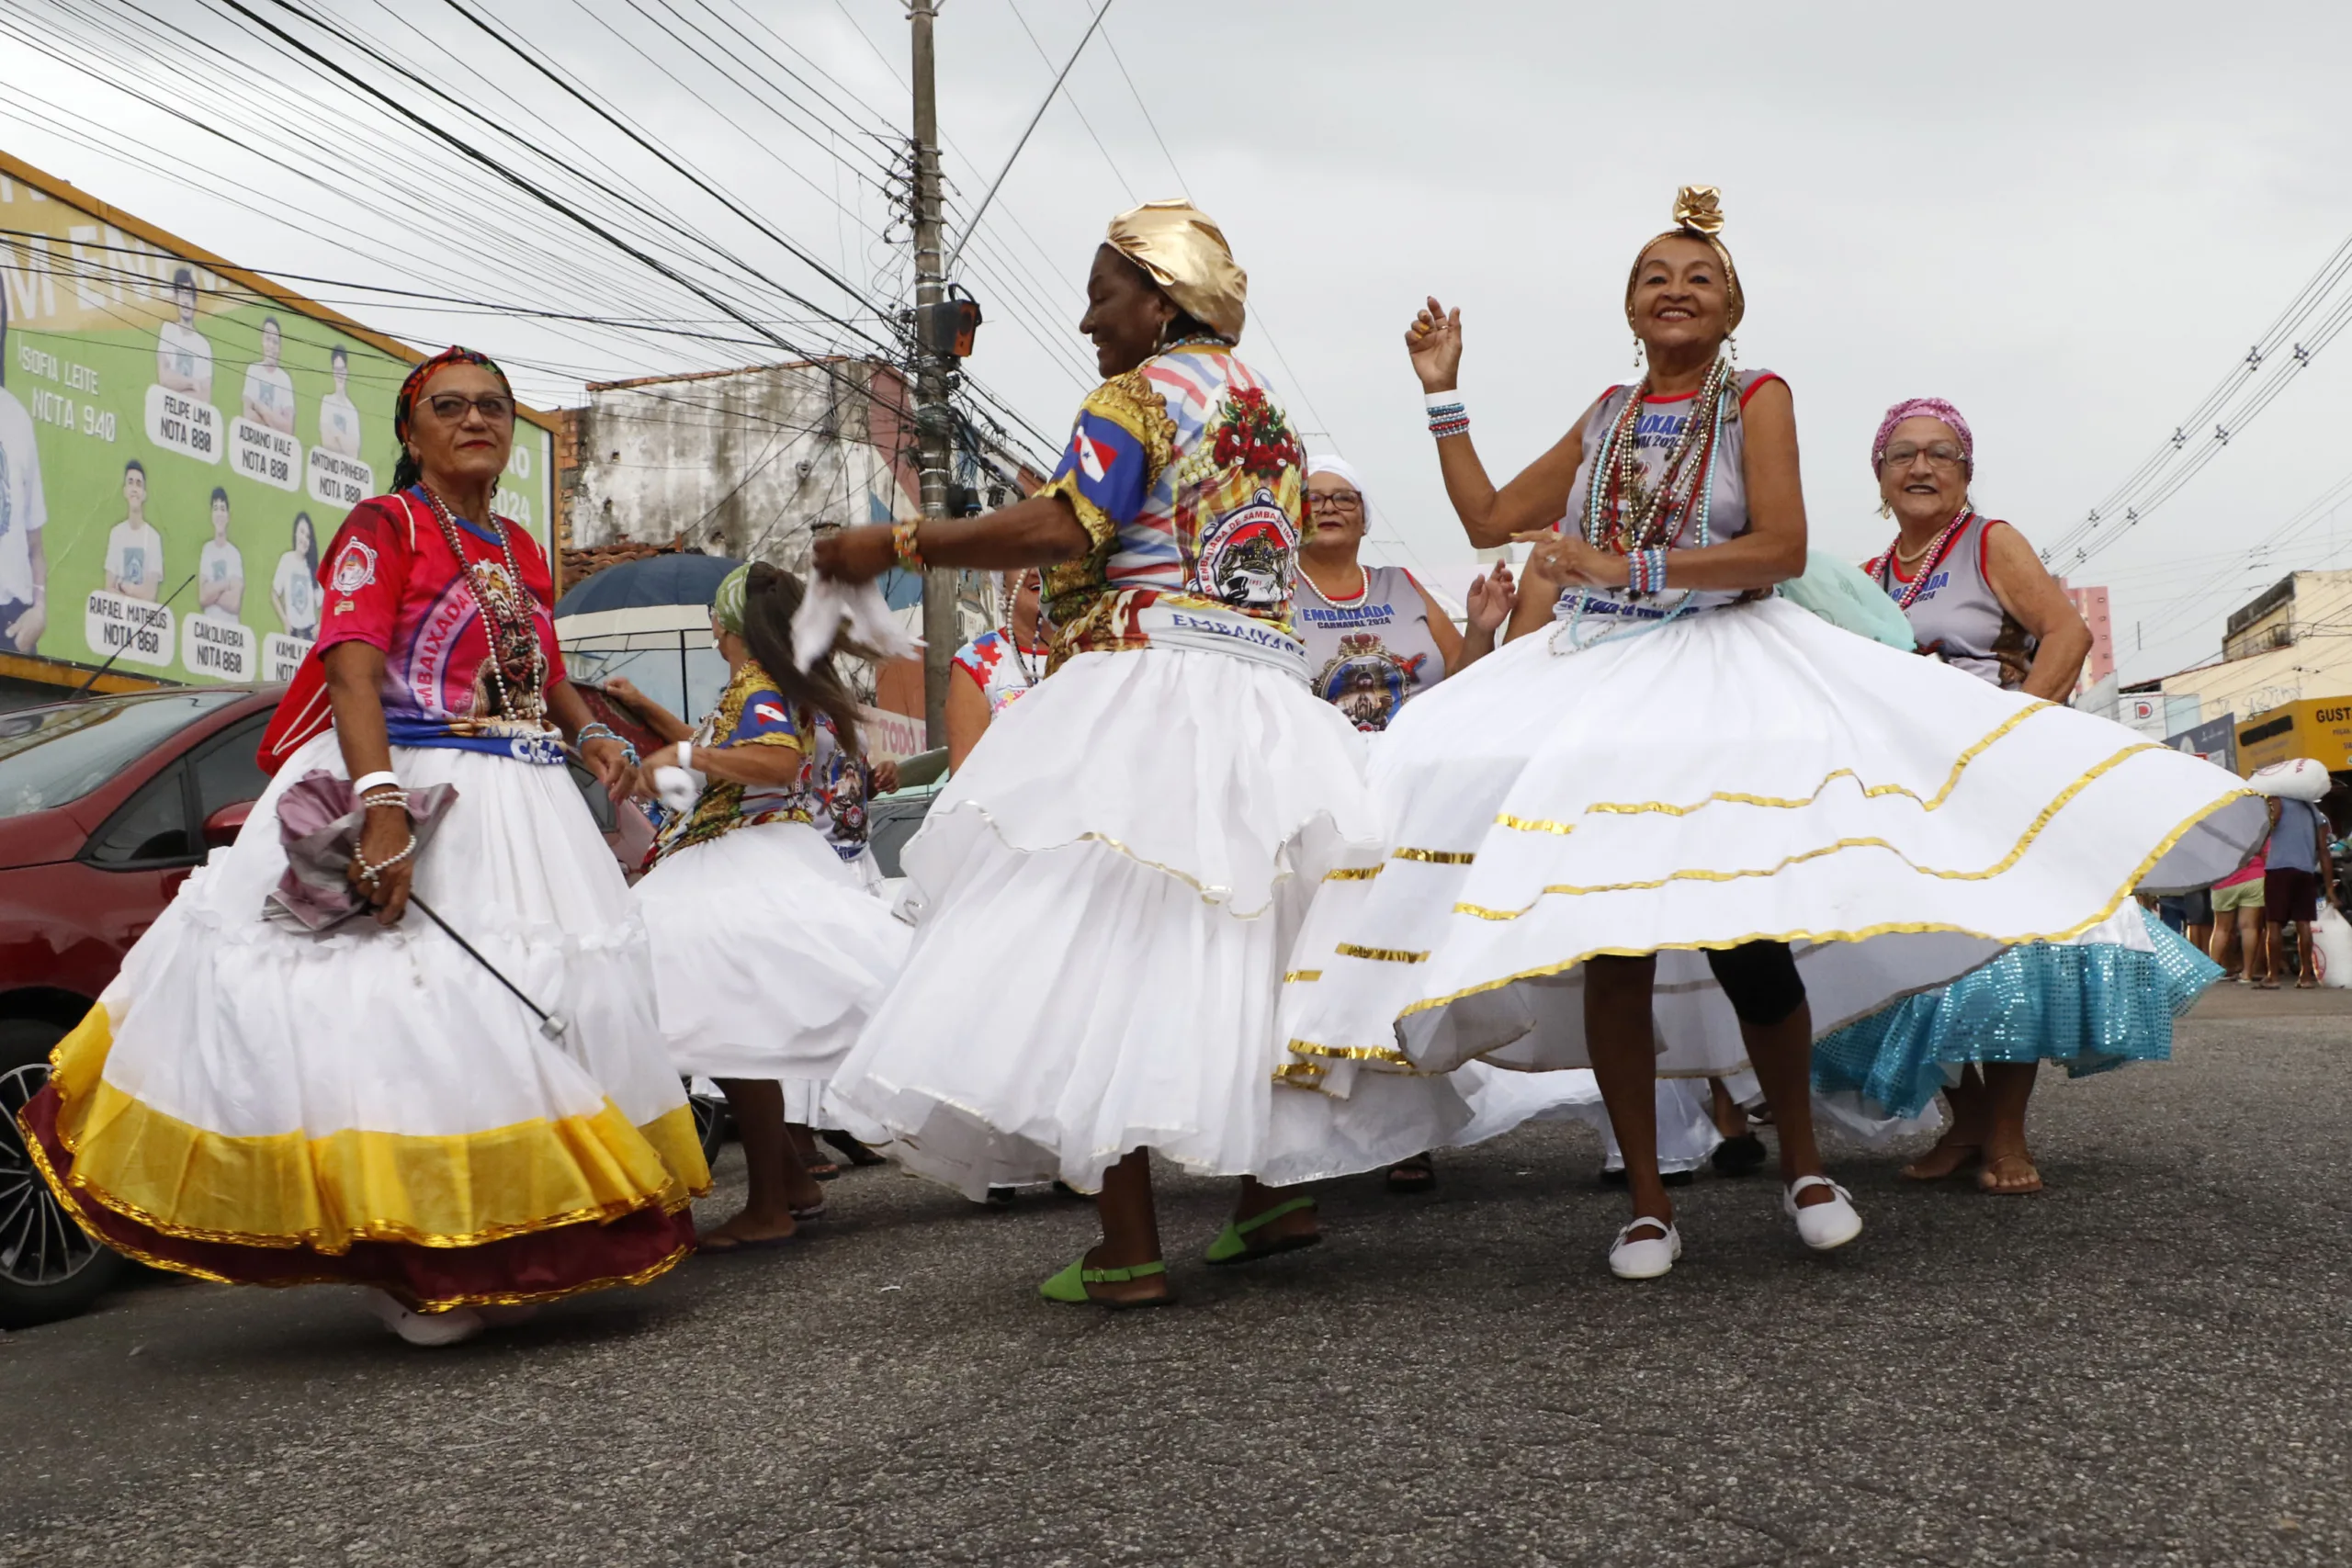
1108	893
299	1102
1748	773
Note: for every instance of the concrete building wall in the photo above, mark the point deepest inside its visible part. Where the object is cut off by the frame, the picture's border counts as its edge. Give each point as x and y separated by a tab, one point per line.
2293	645
742	463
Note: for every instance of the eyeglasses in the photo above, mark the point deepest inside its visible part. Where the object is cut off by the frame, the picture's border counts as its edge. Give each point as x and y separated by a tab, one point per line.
1943	455
450	407
1337	500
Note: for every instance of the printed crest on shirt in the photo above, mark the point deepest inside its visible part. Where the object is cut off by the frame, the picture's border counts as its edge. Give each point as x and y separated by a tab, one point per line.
354	568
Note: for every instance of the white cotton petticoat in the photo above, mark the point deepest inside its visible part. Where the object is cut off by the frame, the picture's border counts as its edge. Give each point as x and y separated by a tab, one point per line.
1108	892
1750	772
769	955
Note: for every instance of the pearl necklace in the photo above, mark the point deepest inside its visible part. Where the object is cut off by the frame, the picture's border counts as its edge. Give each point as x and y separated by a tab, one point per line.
1337	601
1618	477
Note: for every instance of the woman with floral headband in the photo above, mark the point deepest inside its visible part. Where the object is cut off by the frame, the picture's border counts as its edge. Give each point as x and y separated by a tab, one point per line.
1689	811
1109	884
1979	599
768	952
254	1103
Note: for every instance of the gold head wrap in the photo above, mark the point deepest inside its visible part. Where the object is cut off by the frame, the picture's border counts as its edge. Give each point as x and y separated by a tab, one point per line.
1184	252
1698	215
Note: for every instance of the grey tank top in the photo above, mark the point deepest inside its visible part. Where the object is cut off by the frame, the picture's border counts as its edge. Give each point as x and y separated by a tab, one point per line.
1957	615
1661	425
1370	657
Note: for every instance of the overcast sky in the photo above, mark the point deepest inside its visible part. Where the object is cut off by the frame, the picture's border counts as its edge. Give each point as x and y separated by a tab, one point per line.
2069	218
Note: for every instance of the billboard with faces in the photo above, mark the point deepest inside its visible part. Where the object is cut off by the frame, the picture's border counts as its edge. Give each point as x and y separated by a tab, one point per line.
179	440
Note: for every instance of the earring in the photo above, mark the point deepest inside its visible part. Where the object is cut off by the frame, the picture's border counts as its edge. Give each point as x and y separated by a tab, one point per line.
1732	343
1637	351
1884	510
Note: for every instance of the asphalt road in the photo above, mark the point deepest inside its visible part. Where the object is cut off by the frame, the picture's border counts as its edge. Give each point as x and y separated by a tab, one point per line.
2146	1364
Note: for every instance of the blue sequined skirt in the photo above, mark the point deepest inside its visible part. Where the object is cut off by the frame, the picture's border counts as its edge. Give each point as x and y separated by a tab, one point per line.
2091	1007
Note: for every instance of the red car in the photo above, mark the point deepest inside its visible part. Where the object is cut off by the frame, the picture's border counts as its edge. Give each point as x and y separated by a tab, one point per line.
106	806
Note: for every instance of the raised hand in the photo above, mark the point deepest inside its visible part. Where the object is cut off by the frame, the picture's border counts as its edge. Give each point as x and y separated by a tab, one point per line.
1491	599
1434	340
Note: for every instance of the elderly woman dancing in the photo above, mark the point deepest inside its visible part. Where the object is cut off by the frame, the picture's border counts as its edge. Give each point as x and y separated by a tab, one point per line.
1689	811
1109	885
253	1103
1979	599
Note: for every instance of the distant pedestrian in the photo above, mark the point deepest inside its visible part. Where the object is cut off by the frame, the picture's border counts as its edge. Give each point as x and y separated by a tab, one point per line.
2294	885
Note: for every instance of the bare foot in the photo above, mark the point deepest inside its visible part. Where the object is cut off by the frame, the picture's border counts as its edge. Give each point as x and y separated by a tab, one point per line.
1946	1159
2009	1175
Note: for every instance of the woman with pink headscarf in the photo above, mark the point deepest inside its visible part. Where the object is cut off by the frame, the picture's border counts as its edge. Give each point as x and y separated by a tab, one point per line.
1979	599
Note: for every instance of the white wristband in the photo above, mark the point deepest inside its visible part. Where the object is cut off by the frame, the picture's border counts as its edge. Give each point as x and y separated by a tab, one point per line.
383	778
1433	401
685	753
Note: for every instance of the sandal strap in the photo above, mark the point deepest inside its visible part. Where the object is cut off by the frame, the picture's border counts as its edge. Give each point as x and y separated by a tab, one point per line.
1291	1206
1797	1187
1665	1227
1121	1276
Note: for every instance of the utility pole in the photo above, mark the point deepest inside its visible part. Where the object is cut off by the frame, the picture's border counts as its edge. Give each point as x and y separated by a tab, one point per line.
934	421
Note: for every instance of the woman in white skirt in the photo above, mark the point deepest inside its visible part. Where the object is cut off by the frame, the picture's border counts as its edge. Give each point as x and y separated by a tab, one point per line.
254	1103
768	952
1693	813
1979	599
1109	885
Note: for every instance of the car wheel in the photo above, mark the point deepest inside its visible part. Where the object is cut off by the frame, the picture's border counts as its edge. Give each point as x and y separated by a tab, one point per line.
49	1267
710	1123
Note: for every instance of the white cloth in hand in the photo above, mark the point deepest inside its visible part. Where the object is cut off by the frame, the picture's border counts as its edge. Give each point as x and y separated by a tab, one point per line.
679	788
830	603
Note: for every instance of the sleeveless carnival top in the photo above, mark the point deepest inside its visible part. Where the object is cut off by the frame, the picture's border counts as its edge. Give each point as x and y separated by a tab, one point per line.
1190	481
1661	425
1957	615
993	665
1369	657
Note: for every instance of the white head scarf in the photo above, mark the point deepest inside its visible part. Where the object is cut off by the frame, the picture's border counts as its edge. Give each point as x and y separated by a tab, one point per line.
1339	465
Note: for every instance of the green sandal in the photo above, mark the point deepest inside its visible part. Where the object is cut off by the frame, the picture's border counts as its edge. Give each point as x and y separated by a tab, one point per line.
1233	1245
1070	1285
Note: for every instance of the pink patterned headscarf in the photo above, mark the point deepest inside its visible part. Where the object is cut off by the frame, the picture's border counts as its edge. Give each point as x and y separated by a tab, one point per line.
1922	408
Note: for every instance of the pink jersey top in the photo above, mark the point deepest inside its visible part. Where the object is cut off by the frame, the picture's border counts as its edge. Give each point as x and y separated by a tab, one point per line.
391	582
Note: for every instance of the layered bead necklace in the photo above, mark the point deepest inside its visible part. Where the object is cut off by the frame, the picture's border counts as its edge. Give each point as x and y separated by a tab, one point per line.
1933	557
518	663
1685	489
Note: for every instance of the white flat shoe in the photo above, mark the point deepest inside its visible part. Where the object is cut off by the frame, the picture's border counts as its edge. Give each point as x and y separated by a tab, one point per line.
1645	1257
1823	1227
431	1330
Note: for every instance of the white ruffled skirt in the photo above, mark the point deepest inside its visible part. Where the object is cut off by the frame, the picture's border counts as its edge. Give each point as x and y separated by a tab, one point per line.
250	1102
1108	893
769	955
1745	774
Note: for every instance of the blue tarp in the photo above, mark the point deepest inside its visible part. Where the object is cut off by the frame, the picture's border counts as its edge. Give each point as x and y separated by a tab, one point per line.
681	579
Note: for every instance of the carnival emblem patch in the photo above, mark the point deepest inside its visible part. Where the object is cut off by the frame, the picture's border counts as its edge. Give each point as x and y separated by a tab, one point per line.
1368	681
1244	554
354	568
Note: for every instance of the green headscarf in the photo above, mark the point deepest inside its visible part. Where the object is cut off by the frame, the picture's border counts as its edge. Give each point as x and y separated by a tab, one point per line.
726	605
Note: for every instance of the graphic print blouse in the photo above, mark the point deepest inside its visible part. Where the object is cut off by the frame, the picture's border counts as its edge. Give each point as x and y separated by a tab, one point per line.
1190	481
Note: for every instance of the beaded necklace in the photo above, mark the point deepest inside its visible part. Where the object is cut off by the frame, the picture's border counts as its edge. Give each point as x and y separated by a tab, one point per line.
1363	592
1656	517
517	662
1700	491
1937	547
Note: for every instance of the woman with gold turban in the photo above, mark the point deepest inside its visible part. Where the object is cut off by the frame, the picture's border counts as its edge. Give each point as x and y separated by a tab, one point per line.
1109	885
1688	821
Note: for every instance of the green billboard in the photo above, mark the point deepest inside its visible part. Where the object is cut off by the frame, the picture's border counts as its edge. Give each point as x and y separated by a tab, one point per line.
179	440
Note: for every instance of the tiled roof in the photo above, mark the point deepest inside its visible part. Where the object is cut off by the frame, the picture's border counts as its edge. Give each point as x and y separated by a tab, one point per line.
579	564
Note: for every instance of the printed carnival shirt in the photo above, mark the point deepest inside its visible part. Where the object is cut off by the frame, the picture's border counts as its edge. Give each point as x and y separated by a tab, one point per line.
1189	480
390	581
751	712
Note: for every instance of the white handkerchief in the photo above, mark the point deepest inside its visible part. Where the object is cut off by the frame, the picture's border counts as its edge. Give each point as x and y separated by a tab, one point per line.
679	788
830	603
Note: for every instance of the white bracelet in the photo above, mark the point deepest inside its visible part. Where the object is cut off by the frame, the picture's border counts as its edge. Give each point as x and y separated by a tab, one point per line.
685	753
1433	401
382	778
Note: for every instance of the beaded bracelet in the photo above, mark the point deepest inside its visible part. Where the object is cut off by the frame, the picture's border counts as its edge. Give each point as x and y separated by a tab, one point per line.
385	795
370	874
601	732
1645	570
904	541
1448	414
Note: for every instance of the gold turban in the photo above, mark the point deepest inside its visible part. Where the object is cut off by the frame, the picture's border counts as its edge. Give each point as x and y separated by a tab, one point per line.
1185	253
1698	215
